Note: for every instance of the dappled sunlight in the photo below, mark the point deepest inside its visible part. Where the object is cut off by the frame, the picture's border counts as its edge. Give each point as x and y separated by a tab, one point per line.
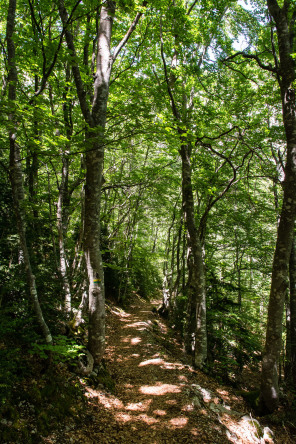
156	361
194	432
159	412
148	419
108	401
135	341
139	406
225	394
236	430
206	394
158	395
123	417
132	341
139	325
159	389
188	408
120	312
128	386
162	363
181	421
182	378
171	402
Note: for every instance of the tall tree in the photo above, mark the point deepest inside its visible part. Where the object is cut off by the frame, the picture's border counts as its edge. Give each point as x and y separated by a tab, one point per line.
94	111
15	164
284	21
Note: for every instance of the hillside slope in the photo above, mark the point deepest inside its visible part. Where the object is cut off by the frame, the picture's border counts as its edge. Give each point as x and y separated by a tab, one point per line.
154	397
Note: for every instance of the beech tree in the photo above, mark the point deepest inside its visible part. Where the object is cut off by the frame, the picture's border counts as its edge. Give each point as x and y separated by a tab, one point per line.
284	21
94	110
15	166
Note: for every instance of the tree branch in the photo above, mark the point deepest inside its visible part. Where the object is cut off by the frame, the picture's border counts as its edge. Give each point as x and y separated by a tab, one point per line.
133	59
274	9
232	181
173	104
268	67
225	133
191	7
129	33
81	92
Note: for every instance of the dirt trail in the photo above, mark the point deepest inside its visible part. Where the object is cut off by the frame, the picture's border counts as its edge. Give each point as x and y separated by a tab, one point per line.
157	398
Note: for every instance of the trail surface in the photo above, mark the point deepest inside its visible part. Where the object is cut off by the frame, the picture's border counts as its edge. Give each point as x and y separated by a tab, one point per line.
157	398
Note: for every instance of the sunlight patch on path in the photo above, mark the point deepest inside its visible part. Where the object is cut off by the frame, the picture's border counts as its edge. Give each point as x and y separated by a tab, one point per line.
119	312
162	363
181	421
108	401
132	341
139	406
140	325
159	389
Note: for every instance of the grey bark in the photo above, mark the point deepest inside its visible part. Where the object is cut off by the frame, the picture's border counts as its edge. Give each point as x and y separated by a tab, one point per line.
290	368
195	328
269	396
95	118
293	314
16	174
62	227
195	335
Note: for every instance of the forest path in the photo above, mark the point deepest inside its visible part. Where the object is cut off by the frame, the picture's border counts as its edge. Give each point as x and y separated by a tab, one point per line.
157	398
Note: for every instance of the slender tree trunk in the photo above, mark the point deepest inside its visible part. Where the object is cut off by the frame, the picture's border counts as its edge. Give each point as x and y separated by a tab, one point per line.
269	378
287	357
62	228
92	251
16	174
195	333
64	199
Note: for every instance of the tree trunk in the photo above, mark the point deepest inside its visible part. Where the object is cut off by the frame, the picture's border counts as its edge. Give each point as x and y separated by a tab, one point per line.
92	251
269	396
95	118
16	174
292	332
62	228
195	331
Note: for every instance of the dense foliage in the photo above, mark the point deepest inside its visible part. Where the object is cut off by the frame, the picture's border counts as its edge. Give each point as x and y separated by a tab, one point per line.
194	82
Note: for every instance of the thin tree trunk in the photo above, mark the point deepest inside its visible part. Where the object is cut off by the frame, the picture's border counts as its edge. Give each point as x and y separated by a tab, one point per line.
195	332
62	228
16	174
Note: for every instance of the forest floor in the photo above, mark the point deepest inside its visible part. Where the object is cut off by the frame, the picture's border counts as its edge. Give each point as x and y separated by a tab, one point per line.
144	393
155	397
